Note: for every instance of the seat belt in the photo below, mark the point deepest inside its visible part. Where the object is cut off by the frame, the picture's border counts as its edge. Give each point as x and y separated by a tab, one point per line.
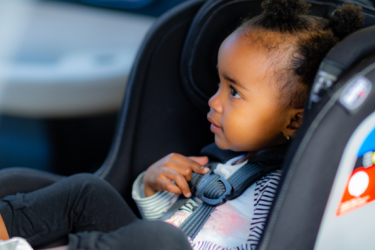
214	190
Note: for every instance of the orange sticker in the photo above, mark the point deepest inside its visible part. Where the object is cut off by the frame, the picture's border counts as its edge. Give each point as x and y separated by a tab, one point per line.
360	190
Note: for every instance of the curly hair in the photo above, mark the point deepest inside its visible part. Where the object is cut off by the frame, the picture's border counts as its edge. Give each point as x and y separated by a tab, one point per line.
303	39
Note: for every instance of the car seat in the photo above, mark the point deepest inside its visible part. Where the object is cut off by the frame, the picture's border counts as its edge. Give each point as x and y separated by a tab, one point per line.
165	106
318	205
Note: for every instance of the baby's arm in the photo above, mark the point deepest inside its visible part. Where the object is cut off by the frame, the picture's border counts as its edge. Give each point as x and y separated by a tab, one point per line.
152	207
158	180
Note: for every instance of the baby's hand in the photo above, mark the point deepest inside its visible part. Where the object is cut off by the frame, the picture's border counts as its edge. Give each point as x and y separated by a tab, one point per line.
173	167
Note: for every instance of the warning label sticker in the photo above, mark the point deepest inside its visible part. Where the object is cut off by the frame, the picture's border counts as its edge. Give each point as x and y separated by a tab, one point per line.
360	187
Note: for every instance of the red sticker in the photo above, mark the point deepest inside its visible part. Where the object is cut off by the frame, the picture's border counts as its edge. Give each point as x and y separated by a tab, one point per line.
359	191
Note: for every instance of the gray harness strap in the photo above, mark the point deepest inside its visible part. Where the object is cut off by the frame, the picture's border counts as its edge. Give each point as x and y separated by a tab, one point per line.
214	190
193	188
239	182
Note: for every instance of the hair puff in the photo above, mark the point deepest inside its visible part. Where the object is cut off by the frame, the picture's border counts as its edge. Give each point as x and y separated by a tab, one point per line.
283	12
346	19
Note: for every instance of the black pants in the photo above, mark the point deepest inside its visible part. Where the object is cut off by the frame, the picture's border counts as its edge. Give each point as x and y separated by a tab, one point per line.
91	211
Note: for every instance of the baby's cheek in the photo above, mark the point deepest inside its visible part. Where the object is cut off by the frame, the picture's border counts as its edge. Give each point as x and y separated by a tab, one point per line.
241	138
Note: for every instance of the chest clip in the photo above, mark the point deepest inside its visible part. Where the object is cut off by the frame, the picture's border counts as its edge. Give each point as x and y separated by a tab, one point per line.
206	182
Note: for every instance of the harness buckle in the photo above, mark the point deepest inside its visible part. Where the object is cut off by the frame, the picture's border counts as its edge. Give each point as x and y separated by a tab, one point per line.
208	180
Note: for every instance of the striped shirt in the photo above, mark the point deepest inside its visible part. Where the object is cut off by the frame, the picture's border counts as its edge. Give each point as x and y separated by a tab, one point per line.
260	197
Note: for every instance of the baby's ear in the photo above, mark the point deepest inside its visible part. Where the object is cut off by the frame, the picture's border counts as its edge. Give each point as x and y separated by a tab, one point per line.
294	122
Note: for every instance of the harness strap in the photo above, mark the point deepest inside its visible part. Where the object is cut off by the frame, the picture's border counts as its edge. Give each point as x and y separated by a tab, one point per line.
194	223
214	190
240	181
193	188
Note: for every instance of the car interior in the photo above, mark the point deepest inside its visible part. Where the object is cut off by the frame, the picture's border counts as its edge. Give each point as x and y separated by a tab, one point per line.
165	105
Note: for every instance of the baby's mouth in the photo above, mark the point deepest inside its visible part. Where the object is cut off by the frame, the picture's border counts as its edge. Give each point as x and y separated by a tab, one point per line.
214	127
212	122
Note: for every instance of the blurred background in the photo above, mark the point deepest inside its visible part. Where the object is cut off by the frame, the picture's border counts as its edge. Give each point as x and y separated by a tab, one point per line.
63	71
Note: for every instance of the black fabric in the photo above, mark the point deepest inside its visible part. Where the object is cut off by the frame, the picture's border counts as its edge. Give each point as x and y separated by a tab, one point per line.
140	235
79	203
22	180
214	153
268	155
87	204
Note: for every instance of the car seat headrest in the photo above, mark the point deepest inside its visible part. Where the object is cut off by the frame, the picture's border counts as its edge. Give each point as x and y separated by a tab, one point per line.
212	24
340	59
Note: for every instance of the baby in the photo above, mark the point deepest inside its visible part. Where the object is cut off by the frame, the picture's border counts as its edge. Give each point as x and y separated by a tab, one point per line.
266	69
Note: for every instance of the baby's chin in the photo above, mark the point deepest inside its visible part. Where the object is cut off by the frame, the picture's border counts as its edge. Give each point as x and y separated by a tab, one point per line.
223	144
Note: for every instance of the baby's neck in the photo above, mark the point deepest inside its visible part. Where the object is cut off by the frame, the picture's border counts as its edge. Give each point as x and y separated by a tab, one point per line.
243	159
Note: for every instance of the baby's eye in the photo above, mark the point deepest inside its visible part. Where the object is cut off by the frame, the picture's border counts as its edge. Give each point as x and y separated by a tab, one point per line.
234	92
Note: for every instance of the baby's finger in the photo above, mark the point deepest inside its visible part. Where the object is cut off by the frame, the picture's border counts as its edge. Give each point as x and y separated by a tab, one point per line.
166	184
183	165
182	168
180	181
191	164
197	164
203	160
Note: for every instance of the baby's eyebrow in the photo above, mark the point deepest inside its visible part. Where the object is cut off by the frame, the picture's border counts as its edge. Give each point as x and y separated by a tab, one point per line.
233	81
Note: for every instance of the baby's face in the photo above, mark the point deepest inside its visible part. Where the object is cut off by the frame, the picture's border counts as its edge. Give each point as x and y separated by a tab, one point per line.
245	113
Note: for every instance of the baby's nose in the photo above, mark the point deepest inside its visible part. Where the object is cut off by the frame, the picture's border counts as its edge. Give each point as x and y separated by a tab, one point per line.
214	103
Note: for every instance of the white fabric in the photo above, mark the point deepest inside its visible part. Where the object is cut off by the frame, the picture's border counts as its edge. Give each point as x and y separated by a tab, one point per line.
15	243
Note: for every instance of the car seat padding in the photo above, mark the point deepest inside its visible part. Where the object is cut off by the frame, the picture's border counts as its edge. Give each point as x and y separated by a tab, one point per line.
156	118
357	46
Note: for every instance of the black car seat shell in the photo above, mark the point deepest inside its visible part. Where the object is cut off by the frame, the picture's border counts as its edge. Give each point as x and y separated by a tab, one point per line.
157	118
311	167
